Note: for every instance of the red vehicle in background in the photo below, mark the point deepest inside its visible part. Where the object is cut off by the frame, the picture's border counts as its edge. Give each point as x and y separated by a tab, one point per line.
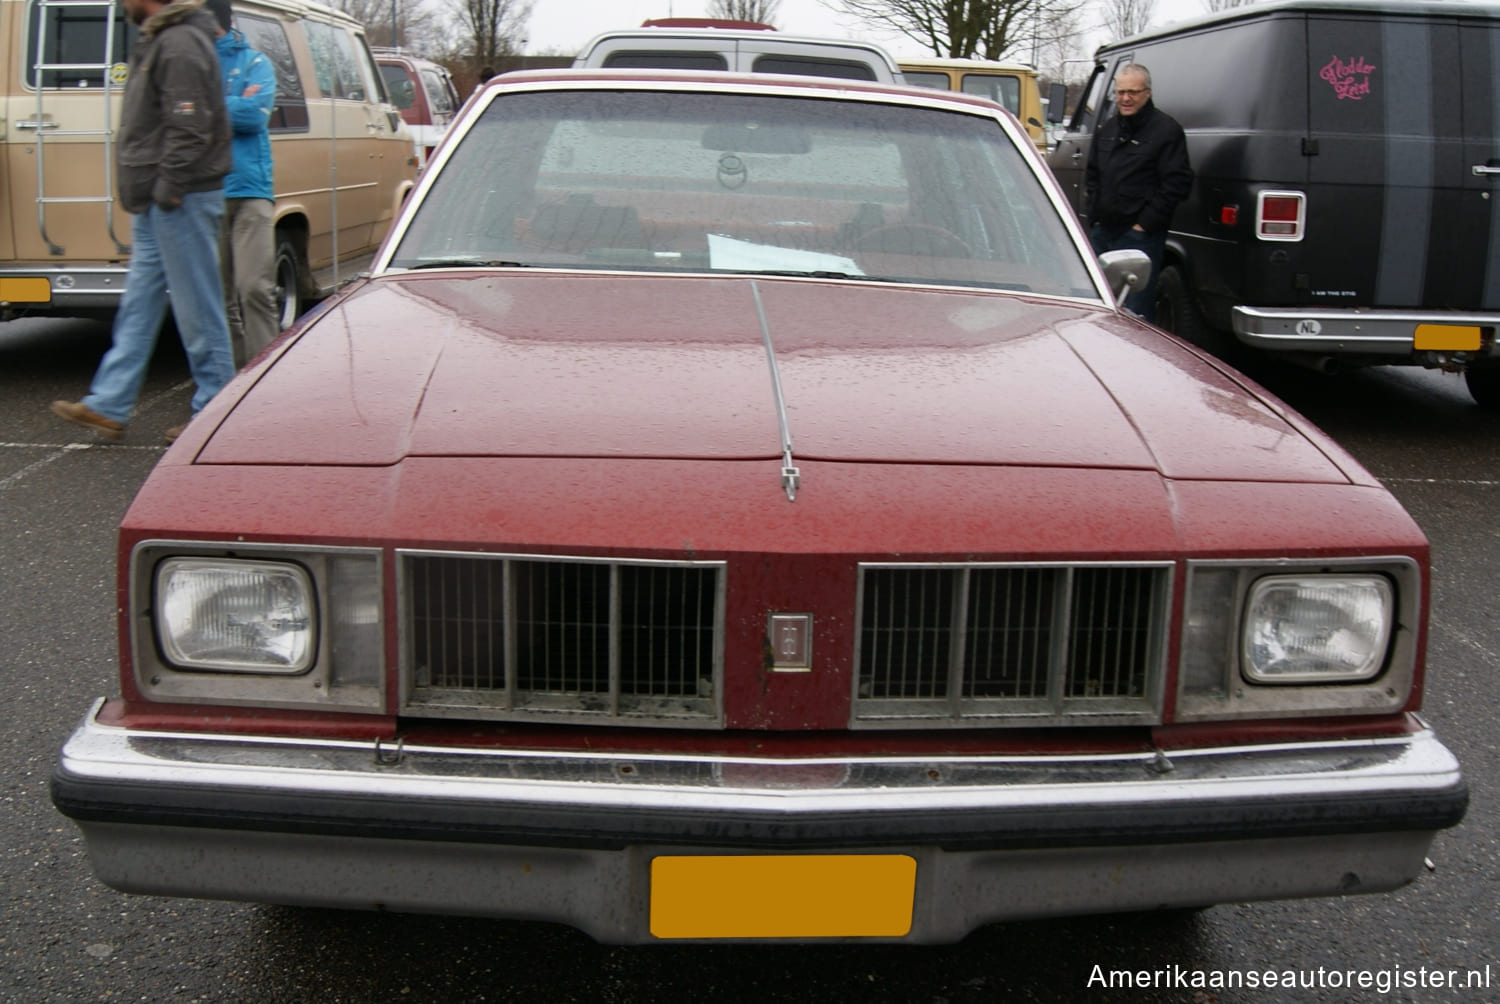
423	92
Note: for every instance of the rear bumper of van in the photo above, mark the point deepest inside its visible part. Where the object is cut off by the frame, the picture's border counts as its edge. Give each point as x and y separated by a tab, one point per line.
1395	333
37	288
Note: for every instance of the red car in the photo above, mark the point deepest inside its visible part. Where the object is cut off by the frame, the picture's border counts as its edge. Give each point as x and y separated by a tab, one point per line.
735	508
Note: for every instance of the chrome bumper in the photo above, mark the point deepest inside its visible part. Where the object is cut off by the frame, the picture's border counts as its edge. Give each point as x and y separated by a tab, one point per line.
569	837
73	287
1357	332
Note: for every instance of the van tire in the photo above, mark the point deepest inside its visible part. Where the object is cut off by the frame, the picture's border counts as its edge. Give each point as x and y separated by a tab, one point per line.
291	280
1484	385
1178	312
1175	310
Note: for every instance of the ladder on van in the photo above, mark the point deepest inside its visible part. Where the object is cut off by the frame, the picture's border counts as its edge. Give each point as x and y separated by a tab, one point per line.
47	127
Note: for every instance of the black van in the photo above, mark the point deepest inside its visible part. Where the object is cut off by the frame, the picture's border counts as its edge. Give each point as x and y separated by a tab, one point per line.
1346	209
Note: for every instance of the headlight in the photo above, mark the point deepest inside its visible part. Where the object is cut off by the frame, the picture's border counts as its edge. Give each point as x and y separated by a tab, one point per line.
1317	628
235	616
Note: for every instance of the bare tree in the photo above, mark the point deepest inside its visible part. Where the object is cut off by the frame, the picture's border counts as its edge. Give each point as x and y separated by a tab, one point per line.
1123	18
490	28
1214	6
1058	50
744	10
410	24
987	29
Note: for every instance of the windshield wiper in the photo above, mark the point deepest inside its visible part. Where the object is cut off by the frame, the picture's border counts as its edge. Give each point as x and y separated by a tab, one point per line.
816	273
467	263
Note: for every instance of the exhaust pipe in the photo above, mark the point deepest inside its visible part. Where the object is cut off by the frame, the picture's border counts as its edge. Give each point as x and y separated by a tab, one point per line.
1327	365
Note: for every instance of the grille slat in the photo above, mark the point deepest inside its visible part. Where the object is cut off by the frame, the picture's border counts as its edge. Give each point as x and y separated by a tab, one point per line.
970	644
558	637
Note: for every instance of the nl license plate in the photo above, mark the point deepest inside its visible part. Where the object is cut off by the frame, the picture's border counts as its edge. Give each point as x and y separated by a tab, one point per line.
783	896
1447	337
25	290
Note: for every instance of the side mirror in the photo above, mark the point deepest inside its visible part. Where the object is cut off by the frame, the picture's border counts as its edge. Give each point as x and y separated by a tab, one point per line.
1057	100
1126	270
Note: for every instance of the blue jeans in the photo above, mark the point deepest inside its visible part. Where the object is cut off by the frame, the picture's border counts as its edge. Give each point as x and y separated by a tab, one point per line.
177	250
1142	301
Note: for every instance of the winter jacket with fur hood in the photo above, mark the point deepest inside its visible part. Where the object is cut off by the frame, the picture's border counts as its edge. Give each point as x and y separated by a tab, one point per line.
174	127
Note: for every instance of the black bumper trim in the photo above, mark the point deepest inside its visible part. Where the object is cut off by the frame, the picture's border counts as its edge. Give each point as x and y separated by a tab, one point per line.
611	828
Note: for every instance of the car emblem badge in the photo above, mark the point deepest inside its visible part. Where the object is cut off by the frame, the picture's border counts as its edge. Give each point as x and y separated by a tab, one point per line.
791	643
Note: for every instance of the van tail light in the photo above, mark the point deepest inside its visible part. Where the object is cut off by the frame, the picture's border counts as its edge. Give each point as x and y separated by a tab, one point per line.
1280	216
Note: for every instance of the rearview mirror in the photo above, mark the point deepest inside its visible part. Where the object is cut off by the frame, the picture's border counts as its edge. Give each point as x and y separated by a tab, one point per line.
1126	270
1057	102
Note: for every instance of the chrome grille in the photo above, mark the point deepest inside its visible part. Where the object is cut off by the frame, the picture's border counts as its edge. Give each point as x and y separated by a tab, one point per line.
532	636
974	643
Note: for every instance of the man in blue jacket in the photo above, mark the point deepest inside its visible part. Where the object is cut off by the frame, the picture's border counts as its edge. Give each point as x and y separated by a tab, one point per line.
247	252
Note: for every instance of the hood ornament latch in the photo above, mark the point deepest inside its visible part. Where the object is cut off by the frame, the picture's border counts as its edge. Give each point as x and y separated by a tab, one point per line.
791	476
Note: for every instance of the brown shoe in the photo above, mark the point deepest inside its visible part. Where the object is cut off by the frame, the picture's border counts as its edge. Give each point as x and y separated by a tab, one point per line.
80	414
175	431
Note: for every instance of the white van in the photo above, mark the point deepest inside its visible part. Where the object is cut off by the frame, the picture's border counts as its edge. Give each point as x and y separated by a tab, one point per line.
743	46
343	157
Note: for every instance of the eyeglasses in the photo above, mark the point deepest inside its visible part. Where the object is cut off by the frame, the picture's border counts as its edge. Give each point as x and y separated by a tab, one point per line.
1120	93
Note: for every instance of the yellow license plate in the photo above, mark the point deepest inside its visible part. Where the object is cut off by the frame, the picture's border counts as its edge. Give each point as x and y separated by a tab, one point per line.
1447	337
783	896
25	290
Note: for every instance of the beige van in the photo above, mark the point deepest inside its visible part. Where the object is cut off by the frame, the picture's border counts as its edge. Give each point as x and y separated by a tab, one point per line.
343	157
1013	85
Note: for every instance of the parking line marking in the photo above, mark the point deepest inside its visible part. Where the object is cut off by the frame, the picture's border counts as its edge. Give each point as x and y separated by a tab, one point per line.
1481	483
58	451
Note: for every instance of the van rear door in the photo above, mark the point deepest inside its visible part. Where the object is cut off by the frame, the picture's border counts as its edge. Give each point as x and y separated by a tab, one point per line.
1479	43
1386	197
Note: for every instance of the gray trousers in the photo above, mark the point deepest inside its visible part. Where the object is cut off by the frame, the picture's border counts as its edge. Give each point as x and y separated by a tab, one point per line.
247	257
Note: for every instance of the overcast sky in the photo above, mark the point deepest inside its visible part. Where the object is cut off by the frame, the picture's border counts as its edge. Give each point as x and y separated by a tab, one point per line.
563	26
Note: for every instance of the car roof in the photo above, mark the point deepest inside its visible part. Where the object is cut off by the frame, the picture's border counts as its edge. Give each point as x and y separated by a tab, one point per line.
1398	8
751	37
395	57
944	63
760	35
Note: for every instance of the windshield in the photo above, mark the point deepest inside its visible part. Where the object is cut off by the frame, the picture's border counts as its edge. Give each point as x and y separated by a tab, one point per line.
667	181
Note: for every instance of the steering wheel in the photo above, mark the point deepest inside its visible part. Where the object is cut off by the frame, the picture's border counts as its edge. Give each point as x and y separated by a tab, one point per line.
913	238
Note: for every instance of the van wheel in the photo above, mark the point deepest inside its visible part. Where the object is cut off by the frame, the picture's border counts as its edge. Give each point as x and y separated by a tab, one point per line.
1177	312
289	281
1484	386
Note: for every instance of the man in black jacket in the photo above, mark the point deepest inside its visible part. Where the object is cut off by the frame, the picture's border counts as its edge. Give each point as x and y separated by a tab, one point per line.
1138	171
171	155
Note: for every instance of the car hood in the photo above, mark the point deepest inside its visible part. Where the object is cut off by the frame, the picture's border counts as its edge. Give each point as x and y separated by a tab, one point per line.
549	365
